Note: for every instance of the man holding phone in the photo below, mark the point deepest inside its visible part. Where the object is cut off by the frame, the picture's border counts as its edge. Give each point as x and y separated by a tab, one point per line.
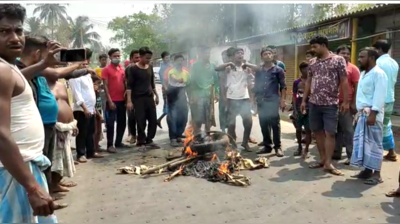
113	76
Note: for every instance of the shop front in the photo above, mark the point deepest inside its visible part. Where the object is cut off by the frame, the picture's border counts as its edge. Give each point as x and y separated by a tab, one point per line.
338	33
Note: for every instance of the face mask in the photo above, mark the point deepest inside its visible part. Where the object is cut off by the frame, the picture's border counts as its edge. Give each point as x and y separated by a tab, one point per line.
115	61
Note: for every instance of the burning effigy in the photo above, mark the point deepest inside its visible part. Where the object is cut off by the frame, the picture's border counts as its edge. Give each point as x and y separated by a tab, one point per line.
201	158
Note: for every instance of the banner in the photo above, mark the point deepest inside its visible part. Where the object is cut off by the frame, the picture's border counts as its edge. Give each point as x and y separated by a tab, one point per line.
334	31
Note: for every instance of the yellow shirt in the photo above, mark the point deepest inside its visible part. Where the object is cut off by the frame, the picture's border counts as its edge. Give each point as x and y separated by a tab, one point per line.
177	75
98	71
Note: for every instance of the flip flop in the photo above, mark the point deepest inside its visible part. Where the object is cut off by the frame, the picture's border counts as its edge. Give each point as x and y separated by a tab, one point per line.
68	184
298	152
393	194
315	166
335	172
373	181
392	158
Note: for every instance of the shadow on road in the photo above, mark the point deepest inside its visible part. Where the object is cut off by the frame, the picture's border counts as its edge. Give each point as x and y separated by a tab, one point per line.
393	209
350	188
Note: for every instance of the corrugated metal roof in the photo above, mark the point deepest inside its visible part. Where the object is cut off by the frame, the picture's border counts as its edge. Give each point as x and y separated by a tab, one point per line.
328	19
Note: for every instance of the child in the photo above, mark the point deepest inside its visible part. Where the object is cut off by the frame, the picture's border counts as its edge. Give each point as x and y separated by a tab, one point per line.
98	134
301	117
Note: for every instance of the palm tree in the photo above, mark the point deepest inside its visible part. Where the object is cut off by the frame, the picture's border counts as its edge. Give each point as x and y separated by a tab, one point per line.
52	14
82	34
34	26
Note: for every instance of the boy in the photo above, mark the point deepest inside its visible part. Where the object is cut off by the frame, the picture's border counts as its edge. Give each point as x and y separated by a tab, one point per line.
301	117
98	134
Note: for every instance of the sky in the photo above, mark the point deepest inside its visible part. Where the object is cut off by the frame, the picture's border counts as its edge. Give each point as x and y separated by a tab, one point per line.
102	13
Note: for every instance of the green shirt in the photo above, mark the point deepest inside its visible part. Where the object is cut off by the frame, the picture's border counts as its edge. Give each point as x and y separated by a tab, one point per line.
202	77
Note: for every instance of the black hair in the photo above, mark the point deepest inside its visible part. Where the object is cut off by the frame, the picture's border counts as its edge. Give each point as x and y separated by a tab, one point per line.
343	47
310	52
34	42
177	56
303	65
224	53
264	49
230	51
320	39
238	49
95	78
103	56
371	52
112	51
382	44
12	11
164	54
145	50
89	53
273	47
133	52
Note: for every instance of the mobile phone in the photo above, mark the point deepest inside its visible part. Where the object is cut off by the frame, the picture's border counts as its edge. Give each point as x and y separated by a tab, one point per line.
72	55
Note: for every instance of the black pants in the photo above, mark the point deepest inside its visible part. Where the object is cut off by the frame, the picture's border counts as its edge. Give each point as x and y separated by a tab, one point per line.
177	112
118	115
48	148
268	114
85	139
223	115
132	123
145	112
344	135
242	108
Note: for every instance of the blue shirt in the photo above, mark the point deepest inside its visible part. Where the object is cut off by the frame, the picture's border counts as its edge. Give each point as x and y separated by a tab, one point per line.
268	83
163	68
47	103
391	68
371	91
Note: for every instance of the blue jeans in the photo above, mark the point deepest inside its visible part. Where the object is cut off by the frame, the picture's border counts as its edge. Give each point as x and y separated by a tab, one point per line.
177	111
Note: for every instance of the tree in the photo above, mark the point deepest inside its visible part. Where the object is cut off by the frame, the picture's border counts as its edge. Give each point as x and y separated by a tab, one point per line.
81	33
139	30
52	15
34	26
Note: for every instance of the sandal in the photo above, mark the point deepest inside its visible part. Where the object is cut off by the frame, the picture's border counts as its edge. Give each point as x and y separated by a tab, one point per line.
392	157
373	181
362	175
347	162
111	150
316	166
393	194
58	206
298	152
68	184
305	155
279	153
335	172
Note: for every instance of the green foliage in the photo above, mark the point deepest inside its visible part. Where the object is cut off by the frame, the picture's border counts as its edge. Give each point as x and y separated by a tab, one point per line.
139	30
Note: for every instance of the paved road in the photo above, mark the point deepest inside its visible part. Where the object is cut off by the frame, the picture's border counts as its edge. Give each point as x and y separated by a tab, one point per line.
286	192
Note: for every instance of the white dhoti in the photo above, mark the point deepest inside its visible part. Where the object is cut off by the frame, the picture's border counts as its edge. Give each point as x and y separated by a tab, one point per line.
63	161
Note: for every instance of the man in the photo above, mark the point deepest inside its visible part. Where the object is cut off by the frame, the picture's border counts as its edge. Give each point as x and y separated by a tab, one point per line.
84	111
178	78
302	119
370	102
345	129
270	94
236	95
24	193
202	91
113	76
223	122
102	64
35	50
164	67
134	58
327	73
143	98
391	68
309	55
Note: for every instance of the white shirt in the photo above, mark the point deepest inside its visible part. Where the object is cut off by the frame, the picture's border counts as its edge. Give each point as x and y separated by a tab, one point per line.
83	93
236	83
26	123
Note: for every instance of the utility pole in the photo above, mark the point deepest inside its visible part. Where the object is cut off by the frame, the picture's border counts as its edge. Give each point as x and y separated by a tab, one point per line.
234	24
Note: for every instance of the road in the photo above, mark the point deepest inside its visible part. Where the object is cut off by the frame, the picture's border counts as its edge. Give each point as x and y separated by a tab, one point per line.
286	192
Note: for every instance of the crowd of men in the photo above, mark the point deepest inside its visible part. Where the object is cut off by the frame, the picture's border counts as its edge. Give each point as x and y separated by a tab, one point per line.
38	119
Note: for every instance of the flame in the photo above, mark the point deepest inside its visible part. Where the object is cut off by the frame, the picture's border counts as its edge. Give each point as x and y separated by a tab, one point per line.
189	136
223	168
189	152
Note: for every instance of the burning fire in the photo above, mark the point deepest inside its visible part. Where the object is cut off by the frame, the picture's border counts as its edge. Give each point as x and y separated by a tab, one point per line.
188	139
223	169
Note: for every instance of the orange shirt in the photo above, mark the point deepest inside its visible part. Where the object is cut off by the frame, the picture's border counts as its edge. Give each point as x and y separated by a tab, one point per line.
353	75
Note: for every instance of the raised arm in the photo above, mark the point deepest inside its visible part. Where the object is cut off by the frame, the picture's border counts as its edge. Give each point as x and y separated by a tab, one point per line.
222	67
